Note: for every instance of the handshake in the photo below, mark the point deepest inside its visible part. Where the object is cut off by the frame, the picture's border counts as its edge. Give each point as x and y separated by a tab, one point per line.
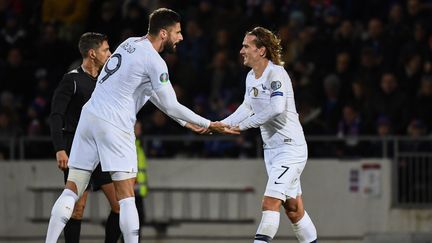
217	126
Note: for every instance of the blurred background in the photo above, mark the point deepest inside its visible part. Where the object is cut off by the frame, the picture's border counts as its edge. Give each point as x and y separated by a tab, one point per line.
362	77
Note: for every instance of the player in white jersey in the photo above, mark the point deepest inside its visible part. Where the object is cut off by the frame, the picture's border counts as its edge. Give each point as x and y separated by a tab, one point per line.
269	104
134	74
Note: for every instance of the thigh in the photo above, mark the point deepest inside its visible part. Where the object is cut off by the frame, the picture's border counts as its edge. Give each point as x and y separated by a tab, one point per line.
116	148
284	177
84	154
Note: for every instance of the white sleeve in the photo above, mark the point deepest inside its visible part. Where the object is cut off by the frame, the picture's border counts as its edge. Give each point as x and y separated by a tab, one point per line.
277	104
156	102
169	105
243	112
158	72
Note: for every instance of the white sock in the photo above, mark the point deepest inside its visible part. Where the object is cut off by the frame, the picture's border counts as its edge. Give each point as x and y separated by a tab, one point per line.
304	229
129	222
268	227
60	214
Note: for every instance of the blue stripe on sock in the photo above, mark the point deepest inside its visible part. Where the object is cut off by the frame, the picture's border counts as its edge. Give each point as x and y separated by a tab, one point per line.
264	238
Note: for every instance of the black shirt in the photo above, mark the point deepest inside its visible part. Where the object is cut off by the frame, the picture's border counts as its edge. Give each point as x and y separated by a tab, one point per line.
73	91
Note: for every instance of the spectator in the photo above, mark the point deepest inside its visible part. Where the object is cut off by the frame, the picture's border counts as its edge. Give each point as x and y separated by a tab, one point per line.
422	105
391	102
69	14
350	127
332	105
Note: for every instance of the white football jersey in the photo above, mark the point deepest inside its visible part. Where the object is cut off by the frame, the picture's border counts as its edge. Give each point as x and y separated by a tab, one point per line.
127	81
271	92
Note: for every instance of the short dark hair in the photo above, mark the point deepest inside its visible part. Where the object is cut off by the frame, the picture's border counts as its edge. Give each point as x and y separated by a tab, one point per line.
90	40
162	18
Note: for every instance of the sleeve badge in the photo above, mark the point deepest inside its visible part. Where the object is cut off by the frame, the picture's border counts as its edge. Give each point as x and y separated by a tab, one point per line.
275	85
164	78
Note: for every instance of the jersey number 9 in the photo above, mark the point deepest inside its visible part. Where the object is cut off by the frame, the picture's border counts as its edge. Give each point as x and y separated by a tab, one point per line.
109	71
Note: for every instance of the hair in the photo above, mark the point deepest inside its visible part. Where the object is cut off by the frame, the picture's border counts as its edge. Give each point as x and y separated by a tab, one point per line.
162	18
90	40
270	41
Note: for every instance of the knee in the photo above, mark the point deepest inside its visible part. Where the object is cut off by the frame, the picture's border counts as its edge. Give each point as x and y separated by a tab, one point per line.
78	211
293	212
271	204
291	207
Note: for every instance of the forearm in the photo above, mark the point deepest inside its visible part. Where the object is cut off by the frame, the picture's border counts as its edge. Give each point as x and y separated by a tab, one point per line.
156	102
169	105
183	114
242	113
275	108
56	127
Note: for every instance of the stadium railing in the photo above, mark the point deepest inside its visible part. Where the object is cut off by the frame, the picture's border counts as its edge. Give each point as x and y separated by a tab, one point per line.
166	206
411	157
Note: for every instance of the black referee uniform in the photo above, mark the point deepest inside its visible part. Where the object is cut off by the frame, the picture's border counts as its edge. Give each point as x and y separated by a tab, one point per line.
72	93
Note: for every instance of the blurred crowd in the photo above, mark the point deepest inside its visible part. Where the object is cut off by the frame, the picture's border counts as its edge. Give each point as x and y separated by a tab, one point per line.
357	67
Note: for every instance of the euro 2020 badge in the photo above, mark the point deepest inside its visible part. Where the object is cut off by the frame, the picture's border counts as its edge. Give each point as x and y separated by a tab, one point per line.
164	77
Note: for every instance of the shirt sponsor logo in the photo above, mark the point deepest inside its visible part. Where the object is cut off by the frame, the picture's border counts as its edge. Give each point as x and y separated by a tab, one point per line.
275	85
164	77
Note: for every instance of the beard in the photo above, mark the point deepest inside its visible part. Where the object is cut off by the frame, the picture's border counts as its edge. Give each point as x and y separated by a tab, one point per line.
169	47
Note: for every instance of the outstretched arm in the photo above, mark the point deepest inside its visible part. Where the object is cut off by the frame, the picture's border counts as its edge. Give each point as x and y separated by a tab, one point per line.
276	107
155	100
168	103
243	112
192	127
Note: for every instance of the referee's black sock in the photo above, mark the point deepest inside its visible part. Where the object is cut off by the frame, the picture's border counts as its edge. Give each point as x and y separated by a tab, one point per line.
72	231
112	228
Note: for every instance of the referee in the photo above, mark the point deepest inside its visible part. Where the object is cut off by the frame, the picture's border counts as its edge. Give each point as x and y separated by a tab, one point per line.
72	93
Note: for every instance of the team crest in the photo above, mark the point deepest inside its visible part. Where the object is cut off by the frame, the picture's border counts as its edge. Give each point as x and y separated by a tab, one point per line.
275	85
164	77
255	91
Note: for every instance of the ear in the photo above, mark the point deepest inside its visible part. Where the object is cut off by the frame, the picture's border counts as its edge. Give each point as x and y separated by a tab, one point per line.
92	53
163	34
262	51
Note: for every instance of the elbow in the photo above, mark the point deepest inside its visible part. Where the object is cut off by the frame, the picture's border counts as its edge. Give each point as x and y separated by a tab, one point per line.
277	111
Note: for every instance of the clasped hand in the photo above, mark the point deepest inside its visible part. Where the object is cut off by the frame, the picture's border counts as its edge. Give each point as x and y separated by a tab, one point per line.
217	126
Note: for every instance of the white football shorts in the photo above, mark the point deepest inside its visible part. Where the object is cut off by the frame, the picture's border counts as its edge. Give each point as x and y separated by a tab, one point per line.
97	140
284	167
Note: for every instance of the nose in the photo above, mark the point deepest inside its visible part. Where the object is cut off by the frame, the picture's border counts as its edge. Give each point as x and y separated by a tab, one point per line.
180	37
242	51
109	53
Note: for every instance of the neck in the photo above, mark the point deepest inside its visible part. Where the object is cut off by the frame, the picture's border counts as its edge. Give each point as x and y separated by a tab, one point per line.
259	67
156	42
90	67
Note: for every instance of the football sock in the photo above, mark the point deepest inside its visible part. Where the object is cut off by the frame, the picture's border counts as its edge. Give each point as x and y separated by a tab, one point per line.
129	222
268	227
305	230
112	228
72	231
60	214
